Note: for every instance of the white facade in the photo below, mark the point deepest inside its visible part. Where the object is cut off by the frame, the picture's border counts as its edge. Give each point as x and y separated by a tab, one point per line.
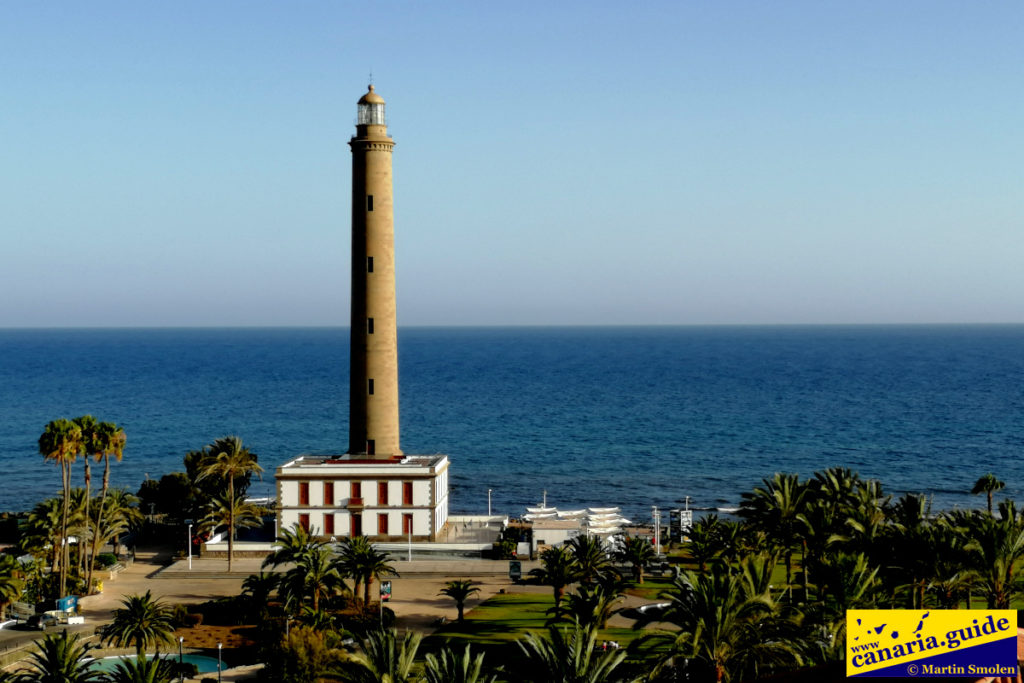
350	495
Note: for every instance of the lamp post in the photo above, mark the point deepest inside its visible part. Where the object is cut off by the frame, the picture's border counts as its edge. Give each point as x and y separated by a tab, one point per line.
190	547
181	658
488	502
657	529
410	541
219	646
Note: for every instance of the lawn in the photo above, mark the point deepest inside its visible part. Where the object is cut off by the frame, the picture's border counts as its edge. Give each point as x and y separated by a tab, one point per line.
496	624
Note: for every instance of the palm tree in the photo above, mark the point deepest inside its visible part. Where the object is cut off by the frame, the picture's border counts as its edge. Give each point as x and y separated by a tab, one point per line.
88	426
11	584
775	508
458	590
358	558
314	577
257	588
592	606
637	552
108	440
143	670
384	658
227	458
728	623
558	570
143	622
119	515
996	547
292	544
705	543
988	484
448	667
60	442
60	658
567	655
231	513
40	531
591	556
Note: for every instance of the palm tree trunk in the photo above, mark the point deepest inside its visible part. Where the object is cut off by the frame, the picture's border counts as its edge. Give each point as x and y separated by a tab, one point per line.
231	519
99	516
83	556
65	555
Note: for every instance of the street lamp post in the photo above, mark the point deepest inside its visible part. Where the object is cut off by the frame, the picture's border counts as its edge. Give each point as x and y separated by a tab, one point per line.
219	646
190	547
657	529
181	658
488	502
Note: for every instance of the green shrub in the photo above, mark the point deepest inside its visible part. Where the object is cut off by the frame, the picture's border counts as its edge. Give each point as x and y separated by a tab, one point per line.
105	560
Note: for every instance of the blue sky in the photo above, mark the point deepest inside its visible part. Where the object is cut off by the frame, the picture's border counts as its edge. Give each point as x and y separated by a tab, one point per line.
556	163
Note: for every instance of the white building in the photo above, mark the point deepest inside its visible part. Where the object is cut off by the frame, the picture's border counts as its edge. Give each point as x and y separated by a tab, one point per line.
352	495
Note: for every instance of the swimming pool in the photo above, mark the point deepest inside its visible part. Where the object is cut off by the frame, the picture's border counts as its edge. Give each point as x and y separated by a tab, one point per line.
203	663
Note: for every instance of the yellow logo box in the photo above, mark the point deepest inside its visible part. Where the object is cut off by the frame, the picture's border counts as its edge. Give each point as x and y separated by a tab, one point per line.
931	643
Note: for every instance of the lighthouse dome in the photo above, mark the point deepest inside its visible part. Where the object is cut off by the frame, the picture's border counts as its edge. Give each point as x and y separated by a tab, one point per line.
371	97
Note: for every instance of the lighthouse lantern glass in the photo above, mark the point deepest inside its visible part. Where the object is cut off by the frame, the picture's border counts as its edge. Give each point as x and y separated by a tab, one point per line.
372	114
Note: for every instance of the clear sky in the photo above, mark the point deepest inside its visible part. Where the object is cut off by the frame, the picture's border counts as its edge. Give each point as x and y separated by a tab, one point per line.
185	163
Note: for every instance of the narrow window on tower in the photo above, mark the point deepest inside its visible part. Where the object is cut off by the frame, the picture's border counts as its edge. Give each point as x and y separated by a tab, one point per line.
369	326
369	264
369	387
369	202
371	447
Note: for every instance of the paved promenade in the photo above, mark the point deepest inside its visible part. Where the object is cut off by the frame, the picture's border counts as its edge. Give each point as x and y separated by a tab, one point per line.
415	599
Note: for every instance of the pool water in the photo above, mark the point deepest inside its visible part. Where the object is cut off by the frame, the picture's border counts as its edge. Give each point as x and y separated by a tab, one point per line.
203	663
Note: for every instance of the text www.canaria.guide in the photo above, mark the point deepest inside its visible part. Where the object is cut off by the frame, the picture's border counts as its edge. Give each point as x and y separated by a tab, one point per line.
871	653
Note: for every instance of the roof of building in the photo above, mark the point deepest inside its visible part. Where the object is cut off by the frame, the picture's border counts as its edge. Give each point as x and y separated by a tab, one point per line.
350	461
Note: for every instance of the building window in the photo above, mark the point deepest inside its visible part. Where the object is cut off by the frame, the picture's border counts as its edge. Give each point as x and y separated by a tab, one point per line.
357	526
382	524
369	202
369	387
328	493
369	264
371	447
407	524
304	521
382	493
329	524
356	490
369	326
303	493
406	493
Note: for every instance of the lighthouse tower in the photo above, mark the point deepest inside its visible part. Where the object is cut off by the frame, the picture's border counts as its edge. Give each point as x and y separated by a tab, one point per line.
374	489
373	388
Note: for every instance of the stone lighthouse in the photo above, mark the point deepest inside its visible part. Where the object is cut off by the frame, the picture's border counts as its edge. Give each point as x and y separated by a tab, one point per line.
372	490
373	389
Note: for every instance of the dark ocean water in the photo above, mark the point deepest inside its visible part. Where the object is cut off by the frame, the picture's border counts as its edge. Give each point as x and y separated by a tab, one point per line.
629	416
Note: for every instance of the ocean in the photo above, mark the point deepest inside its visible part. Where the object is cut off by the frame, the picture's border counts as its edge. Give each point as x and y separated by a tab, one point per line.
594	416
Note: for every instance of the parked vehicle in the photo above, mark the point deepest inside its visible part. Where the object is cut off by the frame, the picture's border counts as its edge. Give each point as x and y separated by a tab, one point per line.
41	622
